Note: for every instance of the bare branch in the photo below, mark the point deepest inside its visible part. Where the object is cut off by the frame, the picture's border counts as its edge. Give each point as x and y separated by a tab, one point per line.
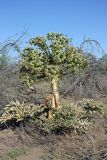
93	44
9	44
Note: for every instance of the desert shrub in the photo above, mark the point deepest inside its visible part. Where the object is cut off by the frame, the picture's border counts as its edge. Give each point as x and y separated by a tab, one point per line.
70	117
17	111
66	119
91	105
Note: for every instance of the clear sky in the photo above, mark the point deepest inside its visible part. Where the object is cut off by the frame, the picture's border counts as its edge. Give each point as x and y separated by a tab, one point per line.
75	18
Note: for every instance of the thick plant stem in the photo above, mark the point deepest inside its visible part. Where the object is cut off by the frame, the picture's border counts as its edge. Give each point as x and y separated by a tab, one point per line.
55	94
54	98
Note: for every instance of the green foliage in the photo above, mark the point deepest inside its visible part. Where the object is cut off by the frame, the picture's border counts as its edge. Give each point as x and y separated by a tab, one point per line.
49	57
13	154
75	61
70	117
18	111
66	119
90	105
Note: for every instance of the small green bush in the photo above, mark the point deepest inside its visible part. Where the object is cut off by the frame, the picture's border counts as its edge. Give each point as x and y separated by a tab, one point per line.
18	111
91	105
65	119
70	117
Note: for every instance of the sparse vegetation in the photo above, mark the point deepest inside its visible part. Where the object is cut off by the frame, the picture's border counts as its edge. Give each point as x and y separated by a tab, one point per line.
14	154
82	115
91	105
70	117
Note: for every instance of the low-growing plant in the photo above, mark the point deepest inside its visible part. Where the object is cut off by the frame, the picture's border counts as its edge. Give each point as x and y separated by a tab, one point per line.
13	154
91	105
67	118
17	111
70	117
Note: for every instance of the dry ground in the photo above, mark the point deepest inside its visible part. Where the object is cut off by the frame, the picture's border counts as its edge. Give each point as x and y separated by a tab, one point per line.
91	145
